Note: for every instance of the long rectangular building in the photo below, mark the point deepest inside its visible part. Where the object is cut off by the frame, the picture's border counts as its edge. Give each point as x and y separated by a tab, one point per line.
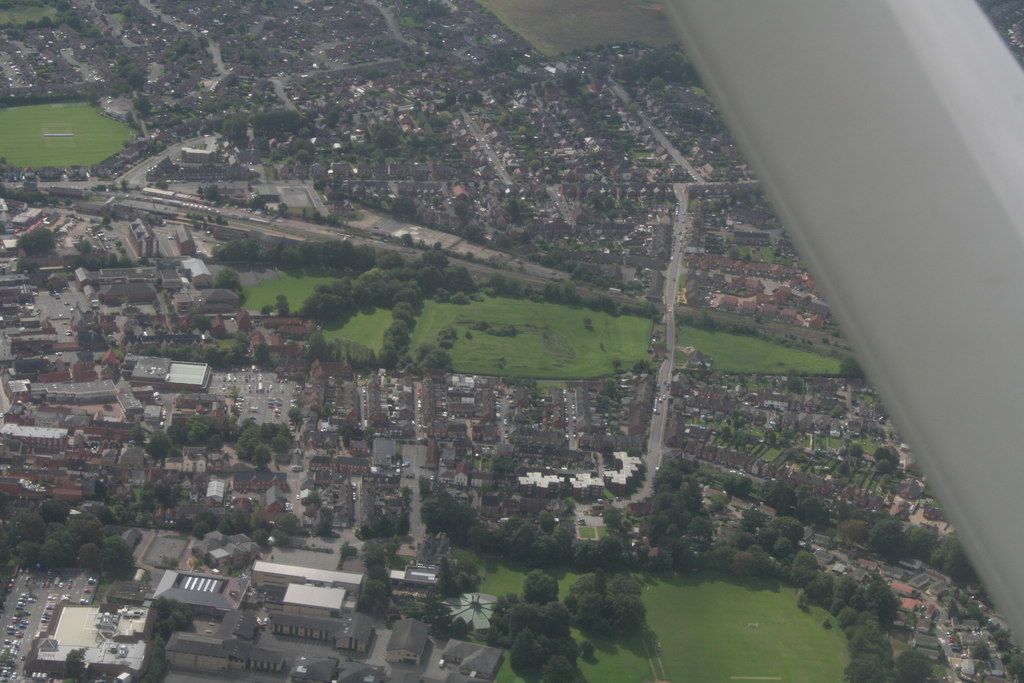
281	575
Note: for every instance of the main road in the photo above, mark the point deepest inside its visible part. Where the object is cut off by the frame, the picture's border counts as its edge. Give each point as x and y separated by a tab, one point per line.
656	437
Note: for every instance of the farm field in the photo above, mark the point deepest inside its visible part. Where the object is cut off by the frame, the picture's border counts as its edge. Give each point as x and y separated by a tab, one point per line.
551	341
95	137
558	26
365	329
296	286
748	354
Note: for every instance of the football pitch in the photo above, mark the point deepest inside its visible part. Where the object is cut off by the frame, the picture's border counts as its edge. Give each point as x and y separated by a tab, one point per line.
69	134
716	629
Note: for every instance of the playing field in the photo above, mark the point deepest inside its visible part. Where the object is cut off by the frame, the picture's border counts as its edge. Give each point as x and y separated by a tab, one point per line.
747	354
296	287
557	26
365	329
717	630
78	135
711	629
550	340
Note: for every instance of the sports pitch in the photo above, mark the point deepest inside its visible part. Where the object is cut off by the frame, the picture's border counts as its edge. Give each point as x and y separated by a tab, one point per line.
716	629
711	629
70	134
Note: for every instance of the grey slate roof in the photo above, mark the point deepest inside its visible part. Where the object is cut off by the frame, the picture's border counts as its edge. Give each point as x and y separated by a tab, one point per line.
408	634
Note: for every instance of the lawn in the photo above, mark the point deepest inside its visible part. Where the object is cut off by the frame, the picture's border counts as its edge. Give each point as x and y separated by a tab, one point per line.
296	286
94	136
744	353
500	578
365	329
551	341
705	632
557	26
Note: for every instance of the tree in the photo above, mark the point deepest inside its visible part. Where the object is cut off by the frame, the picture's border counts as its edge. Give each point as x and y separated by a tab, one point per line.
540	588
558	669
288	523
888	539
227	278
912	667
526	652
853	531
613	520
116	558
52	510
849	367
980	651
281	304
804	569
89	557
159	445
74	665
445	513
39	241
866	669
738	485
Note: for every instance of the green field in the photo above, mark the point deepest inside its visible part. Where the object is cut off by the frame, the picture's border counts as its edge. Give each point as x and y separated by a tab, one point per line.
23	13
557	26
551	341
297	287
744	353
704	625
95	138
365	329
704	633
501	579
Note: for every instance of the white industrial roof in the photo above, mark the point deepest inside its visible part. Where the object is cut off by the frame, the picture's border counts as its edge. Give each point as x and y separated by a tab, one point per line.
314	596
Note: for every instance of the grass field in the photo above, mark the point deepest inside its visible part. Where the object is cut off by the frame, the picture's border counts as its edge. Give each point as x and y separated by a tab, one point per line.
95	138
551	341
703	626
501	579
24	13
557	26
743	353
365	329
297	287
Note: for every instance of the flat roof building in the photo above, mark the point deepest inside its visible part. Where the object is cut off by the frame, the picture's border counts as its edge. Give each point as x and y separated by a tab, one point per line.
52	438
74	393
114	643
164	373
276	574
317	601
